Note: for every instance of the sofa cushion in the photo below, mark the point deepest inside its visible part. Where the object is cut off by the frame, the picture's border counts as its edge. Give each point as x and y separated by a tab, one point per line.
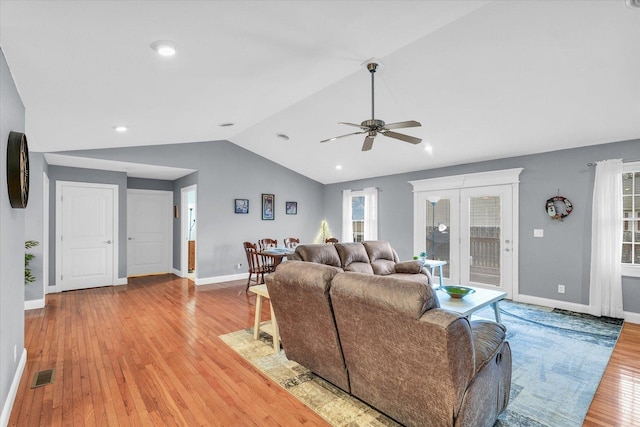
319	253
354	257
382	257
487	339
407	297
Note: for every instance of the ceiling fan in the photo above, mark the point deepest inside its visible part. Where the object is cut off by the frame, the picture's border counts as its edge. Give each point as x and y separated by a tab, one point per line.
375	126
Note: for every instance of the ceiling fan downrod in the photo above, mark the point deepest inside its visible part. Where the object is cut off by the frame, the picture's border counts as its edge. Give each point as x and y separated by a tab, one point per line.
372	69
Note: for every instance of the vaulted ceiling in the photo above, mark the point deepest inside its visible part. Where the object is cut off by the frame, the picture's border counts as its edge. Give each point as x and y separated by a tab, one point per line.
487	79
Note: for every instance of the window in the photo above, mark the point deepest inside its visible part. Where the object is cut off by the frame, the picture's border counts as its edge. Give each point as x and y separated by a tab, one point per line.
631	216
360	215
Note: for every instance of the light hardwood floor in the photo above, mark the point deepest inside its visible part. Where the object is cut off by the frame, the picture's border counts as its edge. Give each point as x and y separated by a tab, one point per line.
149	354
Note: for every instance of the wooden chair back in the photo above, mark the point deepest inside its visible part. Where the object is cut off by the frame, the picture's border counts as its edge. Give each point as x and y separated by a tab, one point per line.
255	264
266	244
291	242
331	240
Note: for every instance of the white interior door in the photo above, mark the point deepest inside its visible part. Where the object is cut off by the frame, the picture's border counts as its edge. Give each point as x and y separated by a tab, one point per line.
149	234
85	235
486	237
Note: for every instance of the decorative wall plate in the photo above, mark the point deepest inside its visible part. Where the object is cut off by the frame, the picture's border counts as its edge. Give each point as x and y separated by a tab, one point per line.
18	170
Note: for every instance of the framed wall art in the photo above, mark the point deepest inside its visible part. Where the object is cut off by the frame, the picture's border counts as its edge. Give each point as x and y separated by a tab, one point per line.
268	206
241	206
291	208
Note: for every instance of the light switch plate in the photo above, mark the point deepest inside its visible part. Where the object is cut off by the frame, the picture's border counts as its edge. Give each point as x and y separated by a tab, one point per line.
538	232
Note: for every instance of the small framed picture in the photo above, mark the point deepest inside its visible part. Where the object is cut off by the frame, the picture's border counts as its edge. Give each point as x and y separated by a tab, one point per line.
291	208
241	206
268	206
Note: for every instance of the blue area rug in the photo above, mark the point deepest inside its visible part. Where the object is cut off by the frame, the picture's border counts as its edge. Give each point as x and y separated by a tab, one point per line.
558	360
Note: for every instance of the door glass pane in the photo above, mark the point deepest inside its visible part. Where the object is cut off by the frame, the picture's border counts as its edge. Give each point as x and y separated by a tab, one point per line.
438	228
484	235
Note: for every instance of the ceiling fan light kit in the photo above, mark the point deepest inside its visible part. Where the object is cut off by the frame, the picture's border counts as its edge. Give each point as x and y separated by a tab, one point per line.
373	126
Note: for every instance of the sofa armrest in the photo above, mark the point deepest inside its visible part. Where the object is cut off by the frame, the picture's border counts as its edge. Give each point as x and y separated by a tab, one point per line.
409	267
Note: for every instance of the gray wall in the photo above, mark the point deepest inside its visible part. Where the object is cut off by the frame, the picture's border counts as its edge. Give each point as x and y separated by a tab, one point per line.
227	172
562	256
62	173
12	239
34	226
149	184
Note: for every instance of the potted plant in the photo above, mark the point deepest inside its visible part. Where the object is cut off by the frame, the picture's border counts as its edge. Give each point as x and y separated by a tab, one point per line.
28	276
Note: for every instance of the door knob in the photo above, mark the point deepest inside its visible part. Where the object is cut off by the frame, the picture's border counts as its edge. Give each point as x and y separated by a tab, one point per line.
130	238
108	242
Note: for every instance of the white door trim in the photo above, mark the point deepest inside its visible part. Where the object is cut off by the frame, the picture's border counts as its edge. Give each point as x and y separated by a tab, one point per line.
457	182
168	195
115	246
45	234
184	229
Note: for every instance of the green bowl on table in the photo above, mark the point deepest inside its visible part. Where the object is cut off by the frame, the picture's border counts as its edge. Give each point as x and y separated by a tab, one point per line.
457	291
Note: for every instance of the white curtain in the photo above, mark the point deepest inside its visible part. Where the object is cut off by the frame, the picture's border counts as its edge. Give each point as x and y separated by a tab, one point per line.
605	292
370	213
347	224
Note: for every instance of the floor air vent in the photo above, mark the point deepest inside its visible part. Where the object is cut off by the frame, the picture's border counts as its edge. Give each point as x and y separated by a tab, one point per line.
43	378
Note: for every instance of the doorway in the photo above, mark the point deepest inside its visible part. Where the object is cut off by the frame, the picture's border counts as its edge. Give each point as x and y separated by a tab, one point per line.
188	246
86	237
472	227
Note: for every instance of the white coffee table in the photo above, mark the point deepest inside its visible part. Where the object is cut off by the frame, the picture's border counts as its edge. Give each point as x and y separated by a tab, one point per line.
473	302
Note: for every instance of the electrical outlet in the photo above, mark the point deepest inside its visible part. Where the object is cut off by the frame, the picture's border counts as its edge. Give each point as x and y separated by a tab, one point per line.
238	266
538	232
561	289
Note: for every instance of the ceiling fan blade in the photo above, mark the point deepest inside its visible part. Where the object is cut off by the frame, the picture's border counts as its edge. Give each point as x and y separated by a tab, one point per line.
407	138
368	142
352	124
341	136
400	125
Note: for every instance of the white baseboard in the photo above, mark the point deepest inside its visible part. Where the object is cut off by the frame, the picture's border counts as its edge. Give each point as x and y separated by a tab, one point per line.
571	306
177	272
631	317
219	279
34	304
13	391
121	281
547	302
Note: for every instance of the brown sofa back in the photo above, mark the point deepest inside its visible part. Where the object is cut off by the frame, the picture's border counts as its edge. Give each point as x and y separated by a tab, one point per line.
353	257
299	294
319	253
406	357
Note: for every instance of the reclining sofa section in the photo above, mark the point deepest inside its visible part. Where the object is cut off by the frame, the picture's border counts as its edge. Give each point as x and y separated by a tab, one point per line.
385	340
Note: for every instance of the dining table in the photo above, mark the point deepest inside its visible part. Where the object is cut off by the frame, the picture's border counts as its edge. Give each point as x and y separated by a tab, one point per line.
277	254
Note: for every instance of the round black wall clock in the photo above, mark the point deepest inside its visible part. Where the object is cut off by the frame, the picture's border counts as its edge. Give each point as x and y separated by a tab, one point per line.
18	170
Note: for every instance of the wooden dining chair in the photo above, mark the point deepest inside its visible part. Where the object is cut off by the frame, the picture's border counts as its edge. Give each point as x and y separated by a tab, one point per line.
255	263
332	240
264	244
291	242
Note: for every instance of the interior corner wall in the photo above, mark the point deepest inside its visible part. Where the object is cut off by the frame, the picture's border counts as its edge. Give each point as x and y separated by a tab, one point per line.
227	172
12	118
63	173
34	226
562	256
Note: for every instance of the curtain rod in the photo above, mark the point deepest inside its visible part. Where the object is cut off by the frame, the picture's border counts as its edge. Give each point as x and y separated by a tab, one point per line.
624	161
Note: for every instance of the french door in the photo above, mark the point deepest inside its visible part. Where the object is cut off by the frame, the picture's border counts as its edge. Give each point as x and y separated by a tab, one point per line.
471	228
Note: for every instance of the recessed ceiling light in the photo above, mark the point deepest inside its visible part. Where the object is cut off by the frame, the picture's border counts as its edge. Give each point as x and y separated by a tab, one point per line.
283	136
164	47
227	124
120	128
339	167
